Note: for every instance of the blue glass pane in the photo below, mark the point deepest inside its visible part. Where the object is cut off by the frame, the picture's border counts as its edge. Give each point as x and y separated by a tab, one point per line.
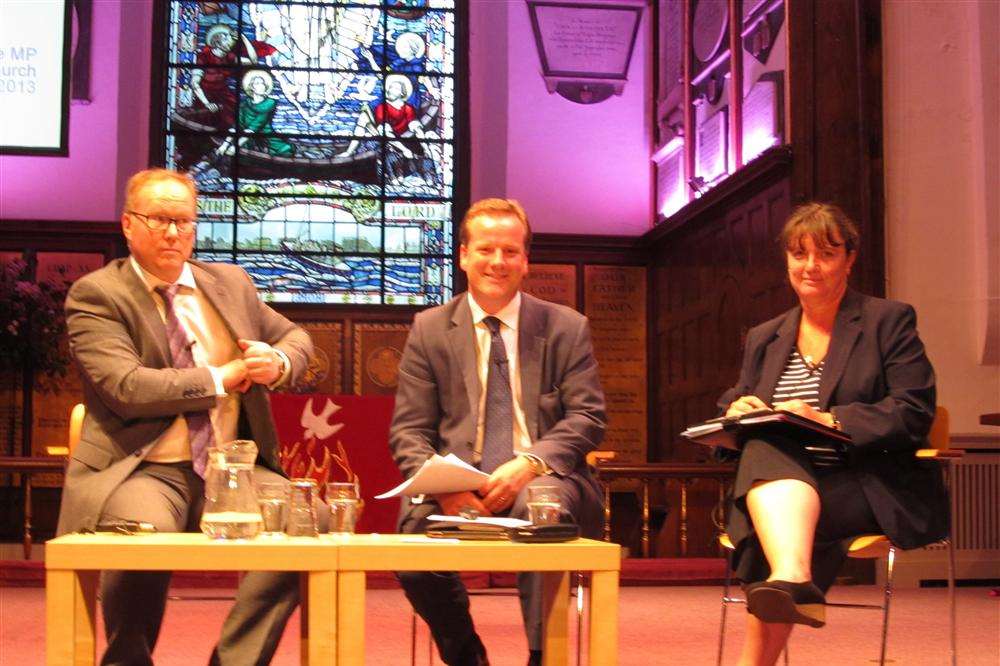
320	135
416	227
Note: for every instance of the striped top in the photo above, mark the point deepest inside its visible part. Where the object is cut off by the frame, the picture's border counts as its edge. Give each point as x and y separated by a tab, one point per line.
800	380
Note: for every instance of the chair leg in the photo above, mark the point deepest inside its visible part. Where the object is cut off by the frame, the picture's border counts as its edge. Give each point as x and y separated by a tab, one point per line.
725	605
413	638
950	475
951	603
889	562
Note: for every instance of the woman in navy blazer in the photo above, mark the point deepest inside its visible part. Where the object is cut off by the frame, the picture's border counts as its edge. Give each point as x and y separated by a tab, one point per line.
793	510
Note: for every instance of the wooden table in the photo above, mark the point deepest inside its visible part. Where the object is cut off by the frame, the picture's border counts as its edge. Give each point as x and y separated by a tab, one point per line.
333	582
73	564
394	552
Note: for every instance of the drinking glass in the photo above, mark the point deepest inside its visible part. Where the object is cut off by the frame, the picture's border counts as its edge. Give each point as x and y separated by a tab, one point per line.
544	505
272	497
342	498
301	512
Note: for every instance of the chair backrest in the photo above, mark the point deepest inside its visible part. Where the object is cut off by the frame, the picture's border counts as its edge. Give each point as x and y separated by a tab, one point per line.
939	437
75	425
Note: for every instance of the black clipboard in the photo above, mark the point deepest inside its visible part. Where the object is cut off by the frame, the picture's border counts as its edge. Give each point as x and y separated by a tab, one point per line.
730	432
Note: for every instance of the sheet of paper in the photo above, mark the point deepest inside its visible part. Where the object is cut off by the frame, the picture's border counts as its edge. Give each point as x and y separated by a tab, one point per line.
440	474
499	521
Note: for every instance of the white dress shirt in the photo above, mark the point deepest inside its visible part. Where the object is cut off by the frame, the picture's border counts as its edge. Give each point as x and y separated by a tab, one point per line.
213	346
509	317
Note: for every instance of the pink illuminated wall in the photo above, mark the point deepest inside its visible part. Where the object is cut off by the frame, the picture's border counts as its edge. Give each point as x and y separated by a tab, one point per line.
577	169
103	143
581	169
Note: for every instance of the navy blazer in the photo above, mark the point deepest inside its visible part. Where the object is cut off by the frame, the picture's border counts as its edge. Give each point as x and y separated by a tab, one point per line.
879	383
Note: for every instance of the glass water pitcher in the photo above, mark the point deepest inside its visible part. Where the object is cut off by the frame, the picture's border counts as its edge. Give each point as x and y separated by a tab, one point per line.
231	509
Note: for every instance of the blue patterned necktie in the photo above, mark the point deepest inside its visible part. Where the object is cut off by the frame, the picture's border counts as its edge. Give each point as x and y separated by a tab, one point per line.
498	425
200	433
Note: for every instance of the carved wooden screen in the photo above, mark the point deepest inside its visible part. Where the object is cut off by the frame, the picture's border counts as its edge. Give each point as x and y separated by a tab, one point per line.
712	281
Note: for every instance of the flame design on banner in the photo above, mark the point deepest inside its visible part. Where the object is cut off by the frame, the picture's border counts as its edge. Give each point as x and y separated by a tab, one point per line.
309	458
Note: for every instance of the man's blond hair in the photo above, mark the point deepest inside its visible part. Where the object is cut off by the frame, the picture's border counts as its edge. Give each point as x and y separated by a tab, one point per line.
145	177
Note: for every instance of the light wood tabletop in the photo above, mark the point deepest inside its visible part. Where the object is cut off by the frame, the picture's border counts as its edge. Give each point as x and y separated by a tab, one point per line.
333	582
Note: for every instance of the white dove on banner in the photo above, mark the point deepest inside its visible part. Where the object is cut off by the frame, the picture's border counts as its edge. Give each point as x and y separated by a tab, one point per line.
318	425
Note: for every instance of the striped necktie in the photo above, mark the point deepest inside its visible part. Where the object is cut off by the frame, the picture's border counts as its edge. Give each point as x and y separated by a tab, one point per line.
498	424
200	433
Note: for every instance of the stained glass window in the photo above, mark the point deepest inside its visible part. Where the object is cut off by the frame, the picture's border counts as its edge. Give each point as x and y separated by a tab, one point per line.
322	139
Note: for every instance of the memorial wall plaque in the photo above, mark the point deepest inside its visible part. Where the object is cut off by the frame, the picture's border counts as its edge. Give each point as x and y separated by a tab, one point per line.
552	282
63	268
615	303
325	372
760	118
671	46
711	17
671	195
593	40
712	145
378	349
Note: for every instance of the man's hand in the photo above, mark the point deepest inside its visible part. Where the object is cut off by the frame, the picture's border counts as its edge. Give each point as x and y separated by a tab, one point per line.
453	503
506	481
263	363
234	376
745	404
803	408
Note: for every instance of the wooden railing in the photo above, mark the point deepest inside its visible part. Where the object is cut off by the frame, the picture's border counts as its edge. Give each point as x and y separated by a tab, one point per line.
25	467
685	473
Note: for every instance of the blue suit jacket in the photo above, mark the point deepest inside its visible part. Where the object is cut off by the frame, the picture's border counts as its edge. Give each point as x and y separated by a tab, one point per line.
880	384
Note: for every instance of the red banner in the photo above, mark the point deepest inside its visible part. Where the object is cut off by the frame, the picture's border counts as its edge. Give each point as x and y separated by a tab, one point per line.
341	438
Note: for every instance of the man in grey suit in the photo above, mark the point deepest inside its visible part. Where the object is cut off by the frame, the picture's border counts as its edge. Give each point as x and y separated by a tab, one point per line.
175	355
506	382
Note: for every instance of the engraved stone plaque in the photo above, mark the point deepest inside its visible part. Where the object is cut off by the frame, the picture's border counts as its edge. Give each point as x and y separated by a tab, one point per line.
615	303
552	282
711	148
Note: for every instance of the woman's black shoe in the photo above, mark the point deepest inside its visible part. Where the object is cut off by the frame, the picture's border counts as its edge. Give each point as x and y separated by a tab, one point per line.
787	603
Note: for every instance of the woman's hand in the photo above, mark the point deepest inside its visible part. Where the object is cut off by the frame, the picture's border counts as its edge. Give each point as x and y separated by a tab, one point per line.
745	404
806	410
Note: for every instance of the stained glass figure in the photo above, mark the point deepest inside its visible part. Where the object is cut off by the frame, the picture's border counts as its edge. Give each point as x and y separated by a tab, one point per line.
321	136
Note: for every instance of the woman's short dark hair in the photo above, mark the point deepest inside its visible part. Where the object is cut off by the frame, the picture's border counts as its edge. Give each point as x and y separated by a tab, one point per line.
823	223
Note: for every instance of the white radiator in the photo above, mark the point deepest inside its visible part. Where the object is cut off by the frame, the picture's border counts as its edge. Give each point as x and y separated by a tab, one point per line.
975	528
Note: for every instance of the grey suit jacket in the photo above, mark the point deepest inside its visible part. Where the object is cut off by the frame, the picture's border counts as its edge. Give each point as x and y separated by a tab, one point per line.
437	401
132	394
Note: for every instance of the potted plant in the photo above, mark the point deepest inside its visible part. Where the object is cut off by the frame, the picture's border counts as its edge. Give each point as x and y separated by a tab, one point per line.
32	338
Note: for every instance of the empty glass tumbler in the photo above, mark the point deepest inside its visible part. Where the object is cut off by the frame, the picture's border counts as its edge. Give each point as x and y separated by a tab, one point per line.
544	505
231	510
301	519
345	507
272	498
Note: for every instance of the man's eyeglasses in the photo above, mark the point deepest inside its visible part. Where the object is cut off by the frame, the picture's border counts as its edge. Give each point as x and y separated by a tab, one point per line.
161	223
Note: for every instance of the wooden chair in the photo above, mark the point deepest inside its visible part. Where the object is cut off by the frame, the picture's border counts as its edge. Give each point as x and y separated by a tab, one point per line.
875	546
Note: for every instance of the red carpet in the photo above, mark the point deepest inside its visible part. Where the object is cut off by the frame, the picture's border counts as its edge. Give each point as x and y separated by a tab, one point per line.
658	625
